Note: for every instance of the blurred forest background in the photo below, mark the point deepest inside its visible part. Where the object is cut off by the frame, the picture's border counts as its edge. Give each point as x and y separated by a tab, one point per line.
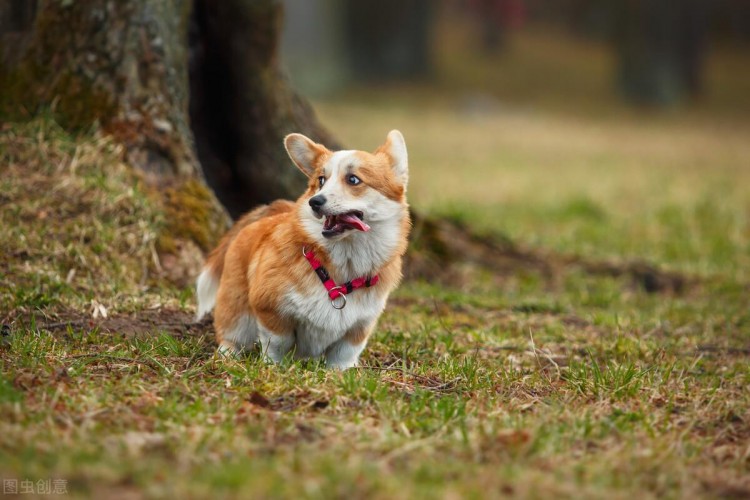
653	53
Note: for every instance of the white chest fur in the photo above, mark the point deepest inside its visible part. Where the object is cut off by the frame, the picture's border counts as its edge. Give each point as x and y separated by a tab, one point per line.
318	324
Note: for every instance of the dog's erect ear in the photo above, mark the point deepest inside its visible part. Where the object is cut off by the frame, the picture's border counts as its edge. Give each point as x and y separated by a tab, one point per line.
304	152
395	148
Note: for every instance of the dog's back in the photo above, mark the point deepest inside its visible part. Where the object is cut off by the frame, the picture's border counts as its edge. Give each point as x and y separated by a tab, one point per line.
208	282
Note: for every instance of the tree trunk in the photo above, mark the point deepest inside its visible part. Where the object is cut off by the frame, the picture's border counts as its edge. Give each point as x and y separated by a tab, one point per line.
242	105
661	46
128	67
123	64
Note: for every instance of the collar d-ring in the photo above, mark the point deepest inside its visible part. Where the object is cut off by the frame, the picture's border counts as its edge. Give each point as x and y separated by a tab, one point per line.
340	296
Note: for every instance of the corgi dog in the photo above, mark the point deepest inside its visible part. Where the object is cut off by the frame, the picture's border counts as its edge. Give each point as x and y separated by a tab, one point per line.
312	277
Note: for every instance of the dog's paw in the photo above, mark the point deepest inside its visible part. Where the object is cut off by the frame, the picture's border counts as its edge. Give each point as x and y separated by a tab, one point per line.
341	366
272	358
228	350
343	355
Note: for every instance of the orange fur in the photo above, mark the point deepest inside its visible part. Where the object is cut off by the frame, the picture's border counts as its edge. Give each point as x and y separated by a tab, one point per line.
215	260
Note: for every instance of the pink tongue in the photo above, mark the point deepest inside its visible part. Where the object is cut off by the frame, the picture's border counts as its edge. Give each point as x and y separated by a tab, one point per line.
354	221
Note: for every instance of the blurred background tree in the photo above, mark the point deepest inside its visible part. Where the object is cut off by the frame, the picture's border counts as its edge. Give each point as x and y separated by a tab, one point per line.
388	39
658	48
661	47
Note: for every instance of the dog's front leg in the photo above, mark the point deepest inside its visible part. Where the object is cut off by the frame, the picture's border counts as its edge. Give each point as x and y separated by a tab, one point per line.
275	346
344	353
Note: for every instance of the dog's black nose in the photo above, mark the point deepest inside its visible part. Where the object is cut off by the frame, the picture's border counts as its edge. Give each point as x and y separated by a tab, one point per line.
317	201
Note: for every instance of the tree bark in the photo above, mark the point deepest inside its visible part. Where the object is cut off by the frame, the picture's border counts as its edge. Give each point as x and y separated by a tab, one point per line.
123	67
242	105
122	64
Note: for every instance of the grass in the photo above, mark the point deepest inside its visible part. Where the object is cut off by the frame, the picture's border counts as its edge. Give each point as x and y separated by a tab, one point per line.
526	384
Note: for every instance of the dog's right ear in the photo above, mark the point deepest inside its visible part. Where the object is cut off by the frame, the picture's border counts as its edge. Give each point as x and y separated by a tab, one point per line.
304	152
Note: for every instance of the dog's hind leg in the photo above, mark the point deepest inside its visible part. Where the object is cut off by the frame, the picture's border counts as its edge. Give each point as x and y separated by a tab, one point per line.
236	328
238	338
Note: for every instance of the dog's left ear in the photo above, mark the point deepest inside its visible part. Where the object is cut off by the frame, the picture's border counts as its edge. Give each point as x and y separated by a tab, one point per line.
395	148
304	152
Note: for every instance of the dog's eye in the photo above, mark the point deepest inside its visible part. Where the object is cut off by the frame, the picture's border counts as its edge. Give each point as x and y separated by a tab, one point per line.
353	179
321	181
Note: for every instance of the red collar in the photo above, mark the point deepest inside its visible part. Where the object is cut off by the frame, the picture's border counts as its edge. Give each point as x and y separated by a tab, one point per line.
335	291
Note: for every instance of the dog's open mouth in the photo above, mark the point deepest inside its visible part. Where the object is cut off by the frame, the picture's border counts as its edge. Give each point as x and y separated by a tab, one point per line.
337	224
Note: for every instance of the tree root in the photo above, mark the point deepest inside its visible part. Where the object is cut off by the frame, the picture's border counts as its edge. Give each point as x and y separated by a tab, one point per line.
440	247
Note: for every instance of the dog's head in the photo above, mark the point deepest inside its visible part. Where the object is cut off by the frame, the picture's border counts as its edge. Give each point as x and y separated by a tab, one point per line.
351	191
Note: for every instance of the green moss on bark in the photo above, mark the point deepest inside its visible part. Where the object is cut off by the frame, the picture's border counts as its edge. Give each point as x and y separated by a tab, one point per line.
71	100
193	213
